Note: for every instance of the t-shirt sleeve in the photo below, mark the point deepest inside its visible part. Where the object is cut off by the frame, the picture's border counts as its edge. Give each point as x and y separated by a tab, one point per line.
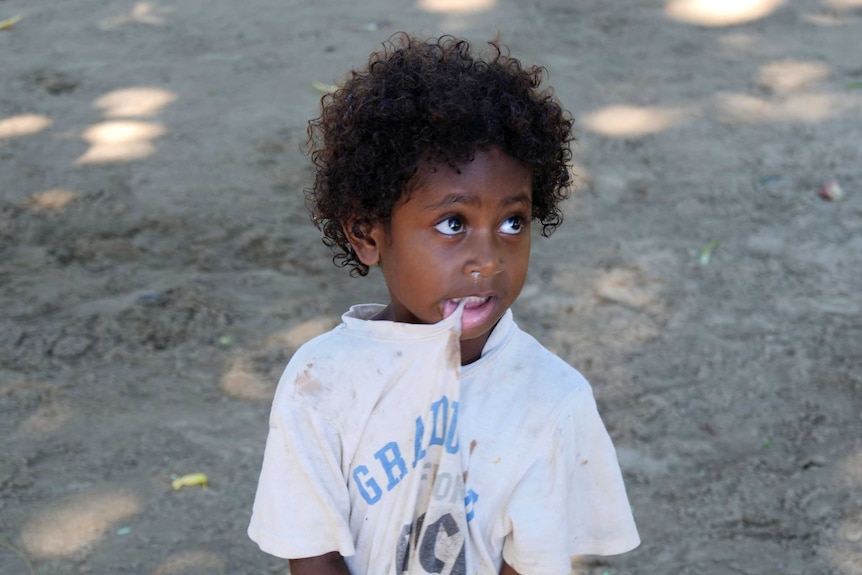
571	500
302	507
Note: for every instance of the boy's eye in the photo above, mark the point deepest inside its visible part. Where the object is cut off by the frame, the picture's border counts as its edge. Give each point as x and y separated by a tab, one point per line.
512	225
450	226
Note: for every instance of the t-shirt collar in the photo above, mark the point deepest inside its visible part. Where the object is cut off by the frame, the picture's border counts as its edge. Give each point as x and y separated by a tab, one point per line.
358	320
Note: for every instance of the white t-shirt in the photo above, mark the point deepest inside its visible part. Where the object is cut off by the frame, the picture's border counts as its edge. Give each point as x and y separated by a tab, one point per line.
384	448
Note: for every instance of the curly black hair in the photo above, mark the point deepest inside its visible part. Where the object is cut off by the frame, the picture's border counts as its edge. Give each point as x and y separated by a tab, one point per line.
430	101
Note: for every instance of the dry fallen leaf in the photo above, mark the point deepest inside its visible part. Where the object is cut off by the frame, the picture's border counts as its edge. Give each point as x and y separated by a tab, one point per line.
326	88
6	24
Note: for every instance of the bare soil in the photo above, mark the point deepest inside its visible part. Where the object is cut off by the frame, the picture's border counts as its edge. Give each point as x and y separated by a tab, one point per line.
158	268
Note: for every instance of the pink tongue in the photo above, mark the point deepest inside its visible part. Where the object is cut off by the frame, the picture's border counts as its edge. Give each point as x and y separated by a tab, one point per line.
449	308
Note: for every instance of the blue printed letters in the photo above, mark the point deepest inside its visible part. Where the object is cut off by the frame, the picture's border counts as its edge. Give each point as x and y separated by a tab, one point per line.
441	430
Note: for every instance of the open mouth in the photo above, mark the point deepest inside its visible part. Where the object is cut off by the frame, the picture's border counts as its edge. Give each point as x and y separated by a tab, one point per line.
471	303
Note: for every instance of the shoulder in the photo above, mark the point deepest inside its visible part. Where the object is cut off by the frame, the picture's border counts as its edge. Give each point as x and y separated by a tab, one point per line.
545	375
526	386
346	370
318	374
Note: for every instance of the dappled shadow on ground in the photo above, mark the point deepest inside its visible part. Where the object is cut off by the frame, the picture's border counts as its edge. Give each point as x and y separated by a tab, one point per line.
159	269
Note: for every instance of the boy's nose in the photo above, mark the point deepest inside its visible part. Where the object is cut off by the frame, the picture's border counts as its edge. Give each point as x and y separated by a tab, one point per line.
484	261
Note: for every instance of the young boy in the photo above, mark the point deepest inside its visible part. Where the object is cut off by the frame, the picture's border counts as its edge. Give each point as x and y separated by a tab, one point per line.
432	435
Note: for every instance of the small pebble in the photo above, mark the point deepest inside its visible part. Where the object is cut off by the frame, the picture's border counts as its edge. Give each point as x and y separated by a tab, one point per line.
831	191
852	532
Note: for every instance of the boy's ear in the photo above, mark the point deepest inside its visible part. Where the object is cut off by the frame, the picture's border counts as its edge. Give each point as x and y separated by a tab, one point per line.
365	239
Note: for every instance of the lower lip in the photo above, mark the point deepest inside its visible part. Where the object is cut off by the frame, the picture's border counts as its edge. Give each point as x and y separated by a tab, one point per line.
474	316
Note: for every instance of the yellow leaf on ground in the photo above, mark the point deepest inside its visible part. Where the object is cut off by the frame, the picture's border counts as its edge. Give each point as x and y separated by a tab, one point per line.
6	24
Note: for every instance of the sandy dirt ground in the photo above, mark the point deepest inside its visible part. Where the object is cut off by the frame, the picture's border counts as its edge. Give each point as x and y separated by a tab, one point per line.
157	266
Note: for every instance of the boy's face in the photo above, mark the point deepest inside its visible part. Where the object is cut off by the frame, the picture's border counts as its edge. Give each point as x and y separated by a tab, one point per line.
460	235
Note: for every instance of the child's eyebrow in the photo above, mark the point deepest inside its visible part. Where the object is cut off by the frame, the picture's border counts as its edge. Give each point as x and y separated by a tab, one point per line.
453	199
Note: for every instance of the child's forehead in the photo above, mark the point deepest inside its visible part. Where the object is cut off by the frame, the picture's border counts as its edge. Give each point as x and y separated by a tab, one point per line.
485	168
428	168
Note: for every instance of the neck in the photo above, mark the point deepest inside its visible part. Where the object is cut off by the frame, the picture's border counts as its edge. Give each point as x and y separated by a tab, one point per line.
471	349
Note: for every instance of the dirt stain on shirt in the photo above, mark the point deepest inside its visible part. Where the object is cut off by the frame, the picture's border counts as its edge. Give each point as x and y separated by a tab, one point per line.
467	471
305	383
453	350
